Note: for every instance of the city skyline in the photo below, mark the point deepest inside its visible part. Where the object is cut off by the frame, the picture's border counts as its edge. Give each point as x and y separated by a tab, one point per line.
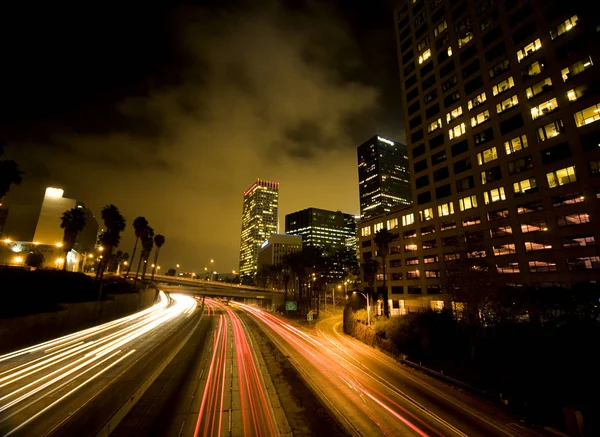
179	150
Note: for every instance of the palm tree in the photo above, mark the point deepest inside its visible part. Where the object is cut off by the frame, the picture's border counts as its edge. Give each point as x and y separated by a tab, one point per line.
117	260
383	238
9	173
159	240
139	224
72	221
147	245
370	268
114	224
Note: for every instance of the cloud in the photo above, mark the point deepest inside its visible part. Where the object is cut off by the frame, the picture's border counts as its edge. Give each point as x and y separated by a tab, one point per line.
265	94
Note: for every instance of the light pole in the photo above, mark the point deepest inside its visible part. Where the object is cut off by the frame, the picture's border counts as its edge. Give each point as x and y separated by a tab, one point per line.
368	306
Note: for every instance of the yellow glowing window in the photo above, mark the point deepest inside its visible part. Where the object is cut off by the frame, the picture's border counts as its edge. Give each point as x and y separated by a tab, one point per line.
587	116
577	93
544	108
507	104
531	246
450	51
426	214
378	227
462	41
437	124
525	185
529	49
564	27
482	117
468	202
408	219
366	231
440	28
476	101
539	88
454	114
487	156
457	131
446	209
550	130
576	68
392	224
495	195
504	85
515	144
425	56
561	177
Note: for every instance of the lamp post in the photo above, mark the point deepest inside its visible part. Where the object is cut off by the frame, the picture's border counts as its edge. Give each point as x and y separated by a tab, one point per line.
368	306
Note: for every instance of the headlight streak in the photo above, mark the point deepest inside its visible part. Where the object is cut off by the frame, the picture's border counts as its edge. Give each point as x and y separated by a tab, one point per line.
336	373
33	379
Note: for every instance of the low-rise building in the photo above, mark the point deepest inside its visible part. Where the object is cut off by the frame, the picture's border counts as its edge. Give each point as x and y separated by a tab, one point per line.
276	247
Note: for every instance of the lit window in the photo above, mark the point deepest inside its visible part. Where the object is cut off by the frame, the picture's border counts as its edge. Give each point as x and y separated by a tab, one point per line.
476	101
430	259
583	240
500	231
392	224
505	85
366	231
487	156
413	274
412	261
408	219
468	202
515	144
550	130
577	93
573	219
561	177
545	108
522	187
447	226
564	27
480	118
426	214
576	68
567	199
584	263
531	246
508	268
440	28
462	41
497	214
529	49
450	51
493	196
504	249
425	56
432	274
437	124
541	266
533	70
507	104
378	227
534	226
471	221
587	116
454	114
539	88
446	209
526	208
457	131
411	247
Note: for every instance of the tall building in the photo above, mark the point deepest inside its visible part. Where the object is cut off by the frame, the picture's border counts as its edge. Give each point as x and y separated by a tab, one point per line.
319	227
501	102
276	247
383	176
259	222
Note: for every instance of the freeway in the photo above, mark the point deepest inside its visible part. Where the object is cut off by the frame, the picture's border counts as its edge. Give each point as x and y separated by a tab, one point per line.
45	387
371	394
213	387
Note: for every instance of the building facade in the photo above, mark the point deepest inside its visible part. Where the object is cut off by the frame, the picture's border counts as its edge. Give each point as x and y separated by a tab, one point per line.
259	222
383	176
329	230
501	102
276	247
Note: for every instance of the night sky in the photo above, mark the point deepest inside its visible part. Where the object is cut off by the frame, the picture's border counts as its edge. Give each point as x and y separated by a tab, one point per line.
171	110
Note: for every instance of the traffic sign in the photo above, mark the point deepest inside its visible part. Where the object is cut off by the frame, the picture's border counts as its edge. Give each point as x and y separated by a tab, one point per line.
291	305
309	317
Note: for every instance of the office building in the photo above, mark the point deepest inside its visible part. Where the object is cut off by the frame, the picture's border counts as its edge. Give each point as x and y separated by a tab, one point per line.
322	228
276	247
383	176
502	115
259	222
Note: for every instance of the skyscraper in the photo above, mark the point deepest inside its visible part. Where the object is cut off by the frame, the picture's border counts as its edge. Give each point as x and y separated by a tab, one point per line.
259	222
383	176
319	227
502	116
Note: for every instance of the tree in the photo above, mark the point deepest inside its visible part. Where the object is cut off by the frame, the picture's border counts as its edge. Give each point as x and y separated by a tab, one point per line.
170	272
345	261
72	221
117	259
114	224
370	268
159	240
34	259
147	245
139	224
9	173
263	275
383	238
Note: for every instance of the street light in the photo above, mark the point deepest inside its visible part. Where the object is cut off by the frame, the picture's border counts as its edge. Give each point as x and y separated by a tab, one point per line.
368	306
177	265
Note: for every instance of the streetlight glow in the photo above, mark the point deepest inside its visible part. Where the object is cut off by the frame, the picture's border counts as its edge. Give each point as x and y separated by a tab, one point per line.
368	306
177	265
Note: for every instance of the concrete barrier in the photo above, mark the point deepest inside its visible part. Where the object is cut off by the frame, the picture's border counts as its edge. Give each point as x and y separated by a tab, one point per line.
20	332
